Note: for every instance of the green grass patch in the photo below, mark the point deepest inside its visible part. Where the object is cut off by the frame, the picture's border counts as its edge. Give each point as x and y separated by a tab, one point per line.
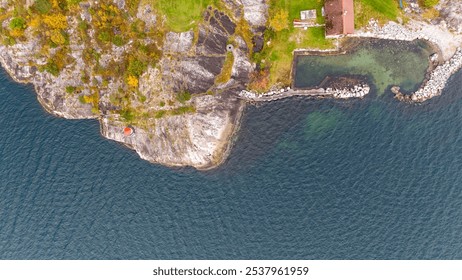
132	6
118	41
104	36
136	67
183	96
227	69
8	41
70	89
183	110
160	114
42	6
429	3
52	68
314	37
278	55
18	23
295	6
381	10
182	15
128	115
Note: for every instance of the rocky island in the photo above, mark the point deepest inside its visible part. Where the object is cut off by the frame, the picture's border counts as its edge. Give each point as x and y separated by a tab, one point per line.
179	74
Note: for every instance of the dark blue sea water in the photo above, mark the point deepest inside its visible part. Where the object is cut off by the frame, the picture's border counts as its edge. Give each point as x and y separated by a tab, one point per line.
363	179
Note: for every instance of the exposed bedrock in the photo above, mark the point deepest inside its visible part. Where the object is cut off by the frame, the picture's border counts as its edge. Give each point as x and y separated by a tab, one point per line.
201	140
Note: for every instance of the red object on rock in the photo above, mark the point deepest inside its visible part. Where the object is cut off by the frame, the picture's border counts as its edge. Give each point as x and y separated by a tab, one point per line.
128	131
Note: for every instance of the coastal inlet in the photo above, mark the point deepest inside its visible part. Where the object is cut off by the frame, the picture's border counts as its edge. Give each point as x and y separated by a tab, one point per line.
385	62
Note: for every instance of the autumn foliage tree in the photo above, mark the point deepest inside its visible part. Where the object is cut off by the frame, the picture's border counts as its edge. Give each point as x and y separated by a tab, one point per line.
429	3
280	20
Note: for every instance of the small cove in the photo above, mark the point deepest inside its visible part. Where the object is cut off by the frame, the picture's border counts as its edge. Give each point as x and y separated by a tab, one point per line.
384	62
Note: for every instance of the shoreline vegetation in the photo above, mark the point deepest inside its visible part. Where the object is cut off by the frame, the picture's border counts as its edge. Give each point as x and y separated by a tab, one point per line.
180	72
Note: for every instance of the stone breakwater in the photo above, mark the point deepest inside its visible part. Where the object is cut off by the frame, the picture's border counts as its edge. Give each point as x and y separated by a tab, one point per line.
356	91
436	82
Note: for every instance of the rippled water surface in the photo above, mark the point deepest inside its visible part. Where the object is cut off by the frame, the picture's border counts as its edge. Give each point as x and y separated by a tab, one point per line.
365	179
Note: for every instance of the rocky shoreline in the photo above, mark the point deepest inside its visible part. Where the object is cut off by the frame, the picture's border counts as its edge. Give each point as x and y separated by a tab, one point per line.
447	60
199	136
434	86
202	137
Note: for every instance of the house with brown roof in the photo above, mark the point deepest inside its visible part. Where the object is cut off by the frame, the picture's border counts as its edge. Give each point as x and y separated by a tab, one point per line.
340	18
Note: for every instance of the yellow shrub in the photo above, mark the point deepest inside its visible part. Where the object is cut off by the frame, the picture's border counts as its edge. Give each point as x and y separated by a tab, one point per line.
132	81
91	99
16	33
55	4
57	37
88	98
35	21
431	13
57	21
280	20
114	9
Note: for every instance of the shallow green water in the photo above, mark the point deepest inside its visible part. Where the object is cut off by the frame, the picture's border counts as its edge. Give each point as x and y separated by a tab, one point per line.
385	62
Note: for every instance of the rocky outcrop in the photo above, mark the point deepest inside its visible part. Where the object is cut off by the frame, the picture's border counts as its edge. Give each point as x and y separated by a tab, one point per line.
146	14
178	43
255	12
200	136
194	69
50	90
202	139
451	14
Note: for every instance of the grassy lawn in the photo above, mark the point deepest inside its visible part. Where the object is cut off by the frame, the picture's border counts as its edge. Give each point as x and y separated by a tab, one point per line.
295	6
277	56
382	10
182	15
